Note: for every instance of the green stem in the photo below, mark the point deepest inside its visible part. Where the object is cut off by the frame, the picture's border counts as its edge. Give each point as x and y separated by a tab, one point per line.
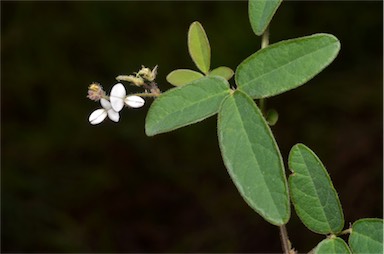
264	44
286	244
262	106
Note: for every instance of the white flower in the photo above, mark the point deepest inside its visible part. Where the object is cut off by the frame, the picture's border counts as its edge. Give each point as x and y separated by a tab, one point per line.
99	115
118	98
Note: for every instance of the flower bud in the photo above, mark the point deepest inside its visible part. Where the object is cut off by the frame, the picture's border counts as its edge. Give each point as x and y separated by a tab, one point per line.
147	73
95	92
137	81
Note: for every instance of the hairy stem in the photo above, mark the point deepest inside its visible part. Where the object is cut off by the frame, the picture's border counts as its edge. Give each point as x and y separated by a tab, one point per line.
264	44
262	106
285	243
146	94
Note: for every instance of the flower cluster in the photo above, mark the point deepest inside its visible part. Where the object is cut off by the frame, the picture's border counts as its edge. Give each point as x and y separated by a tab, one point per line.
115	102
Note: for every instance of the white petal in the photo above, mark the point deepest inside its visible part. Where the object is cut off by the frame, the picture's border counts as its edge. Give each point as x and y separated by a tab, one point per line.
105	104
134	101
97	116
113	115
117	96
118	90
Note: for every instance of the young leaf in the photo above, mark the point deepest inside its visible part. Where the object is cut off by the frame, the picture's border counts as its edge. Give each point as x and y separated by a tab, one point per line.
367	236
252	158
261	13
285	65
186	105
312	192
183	76
198	46
222	71
333	245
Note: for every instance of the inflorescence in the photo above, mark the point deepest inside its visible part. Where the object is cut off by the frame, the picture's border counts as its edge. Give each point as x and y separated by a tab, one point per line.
115	102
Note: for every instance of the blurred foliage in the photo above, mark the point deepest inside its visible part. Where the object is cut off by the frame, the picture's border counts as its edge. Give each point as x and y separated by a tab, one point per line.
68	186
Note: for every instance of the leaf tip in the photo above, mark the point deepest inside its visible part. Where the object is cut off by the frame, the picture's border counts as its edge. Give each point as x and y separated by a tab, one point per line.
149	131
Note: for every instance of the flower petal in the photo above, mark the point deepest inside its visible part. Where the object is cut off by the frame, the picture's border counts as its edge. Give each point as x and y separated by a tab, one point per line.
97	116
117	96
113	115
105	104
134	101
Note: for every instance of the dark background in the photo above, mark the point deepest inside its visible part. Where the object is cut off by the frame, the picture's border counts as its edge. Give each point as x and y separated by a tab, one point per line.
68	186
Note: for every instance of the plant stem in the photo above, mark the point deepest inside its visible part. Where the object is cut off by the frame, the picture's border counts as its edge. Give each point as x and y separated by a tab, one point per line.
146	94
262	106
285	243
264	44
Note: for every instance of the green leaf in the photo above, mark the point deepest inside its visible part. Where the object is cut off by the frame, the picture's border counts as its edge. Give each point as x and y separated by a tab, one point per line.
222	71
334	245
183	76
198	46
312	192
367	236
186	105
261	13
285	65
252	158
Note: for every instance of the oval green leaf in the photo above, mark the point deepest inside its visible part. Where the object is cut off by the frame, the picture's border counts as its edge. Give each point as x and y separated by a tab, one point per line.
367	236
198	46
261	13
253	160
222	71
334	245
183	76
285	65
313	195
185	105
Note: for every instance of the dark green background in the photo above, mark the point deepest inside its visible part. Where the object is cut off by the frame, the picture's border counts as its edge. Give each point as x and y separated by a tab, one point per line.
68	186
